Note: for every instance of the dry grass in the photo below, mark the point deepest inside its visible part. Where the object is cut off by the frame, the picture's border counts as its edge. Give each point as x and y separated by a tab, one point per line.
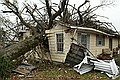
60	72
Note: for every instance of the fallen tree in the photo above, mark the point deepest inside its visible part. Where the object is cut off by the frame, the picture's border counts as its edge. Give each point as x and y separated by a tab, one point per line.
38	31
22	47
39	23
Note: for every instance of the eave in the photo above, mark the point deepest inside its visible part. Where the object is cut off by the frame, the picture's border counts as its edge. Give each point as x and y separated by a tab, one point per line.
90	30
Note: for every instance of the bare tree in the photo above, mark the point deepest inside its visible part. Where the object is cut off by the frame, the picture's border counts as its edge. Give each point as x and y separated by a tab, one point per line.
38	21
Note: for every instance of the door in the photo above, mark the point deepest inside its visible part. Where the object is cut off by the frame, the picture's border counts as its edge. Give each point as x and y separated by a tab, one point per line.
110	43
84	39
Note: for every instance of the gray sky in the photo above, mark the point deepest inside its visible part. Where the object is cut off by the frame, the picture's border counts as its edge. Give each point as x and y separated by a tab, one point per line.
111	12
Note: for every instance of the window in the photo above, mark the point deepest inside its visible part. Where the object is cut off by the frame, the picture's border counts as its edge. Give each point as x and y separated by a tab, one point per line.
100	40
59	42
84	39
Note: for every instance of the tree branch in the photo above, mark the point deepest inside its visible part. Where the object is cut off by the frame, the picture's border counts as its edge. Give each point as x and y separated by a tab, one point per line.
79	12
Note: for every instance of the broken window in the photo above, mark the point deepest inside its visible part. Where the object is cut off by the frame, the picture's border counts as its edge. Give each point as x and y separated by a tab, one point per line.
59	42
100	40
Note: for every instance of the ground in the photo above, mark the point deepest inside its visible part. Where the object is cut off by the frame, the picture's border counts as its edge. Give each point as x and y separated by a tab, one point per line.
60	72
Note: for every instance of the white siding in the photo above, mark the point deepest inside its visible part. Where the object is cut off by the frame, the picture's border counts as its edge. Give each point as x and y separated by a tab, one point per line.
61	56
97	49
56	56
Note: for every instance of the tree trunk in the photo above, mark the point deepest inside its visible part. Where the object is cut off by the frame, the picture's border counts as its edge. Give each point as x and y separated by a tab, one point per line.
16	50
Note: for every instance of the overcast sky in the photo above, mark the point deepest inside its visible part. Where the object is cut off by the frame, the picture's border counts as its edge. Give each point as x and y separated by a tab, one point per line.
111	12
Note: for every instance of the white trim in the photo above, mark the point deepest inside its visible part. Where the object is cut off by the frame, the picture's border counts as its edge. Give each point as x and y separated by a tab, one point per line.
56	42
91	29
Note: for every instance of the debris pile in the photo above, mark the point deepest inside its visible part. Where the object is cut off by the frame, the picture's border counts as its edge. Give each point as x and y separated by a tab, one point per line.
105	55
24	69
89	62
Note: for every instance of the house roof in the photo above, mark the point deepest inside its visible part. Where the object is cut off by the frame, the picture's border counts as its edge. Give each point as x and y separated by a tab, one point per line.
108	32
91	29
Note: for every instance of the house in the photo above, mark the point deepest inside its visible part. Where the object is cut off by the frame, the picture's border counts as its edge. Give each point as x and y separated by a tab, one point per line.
95	40
24	34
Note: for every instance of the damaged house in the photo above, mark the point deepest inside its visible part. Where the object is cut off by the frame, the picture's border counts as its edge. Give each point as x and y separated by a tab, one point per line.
85	48
95	40
67	44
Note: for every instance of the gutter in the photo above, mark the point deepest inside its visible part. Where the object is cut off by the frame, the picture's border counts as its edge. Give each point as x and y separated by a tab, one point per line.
91	29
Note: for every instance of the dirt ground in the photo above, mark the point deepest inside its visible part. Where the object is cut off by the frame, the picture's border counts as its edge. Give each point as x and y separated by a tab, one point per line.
59	72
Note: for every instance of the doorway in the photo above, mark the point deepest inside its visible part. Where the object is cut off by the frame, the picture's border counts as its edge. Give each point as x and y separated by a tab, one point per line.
110	43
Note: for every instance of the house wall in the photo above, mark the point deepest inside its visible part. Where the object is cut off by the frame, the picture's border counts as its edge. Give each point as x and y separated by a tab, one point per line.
56	56
115	43
97	49
119	43
25	35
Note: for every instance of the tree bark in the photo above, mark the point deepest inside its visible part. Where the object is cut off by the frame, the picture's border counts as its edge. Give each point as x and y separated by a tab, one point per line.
16	50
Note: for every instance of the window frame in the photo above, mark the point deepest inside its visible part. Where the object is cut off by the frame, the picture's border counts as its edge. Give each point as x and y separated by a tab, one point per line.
100	38
79	39
56	49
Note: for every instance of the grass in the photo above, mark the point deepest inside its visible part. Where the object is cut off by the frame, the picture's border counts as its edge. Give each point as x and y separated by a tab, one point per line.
61	72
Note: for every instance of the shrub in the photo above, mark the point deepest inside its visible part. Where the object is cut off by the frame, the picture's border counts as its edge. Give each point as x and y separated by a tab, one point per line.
5	67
